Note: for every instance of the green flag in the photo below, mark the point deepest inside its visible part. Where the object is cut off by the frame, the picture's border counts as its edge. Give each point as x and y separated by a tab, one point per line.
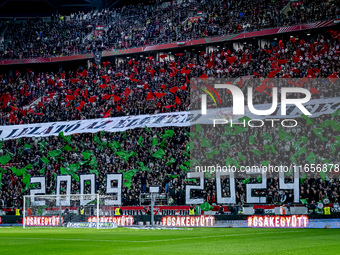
303	178
311	158
128	184
114	144
212	153
323	175
303	139
256	152
67	148
154	141
159	154
308	120
240	156
225	145
45	160
129	174
190	146
318	132
147	129
231	162
239	130
265	162
64	170
171	161
284	135
93	163
125	155
259	178
205	143
142	167
54	153
252	140
198	128
96	139
184	168
65	139
245	120
5	159
246	180
87	154
140	141
42	170
168	133
304	201
267	137
27	146
206	207
74	167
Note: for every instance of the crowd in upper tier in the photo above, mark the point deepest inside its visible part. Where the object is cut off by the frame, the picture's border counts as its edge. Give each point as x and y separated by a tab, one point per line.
157	84
133	26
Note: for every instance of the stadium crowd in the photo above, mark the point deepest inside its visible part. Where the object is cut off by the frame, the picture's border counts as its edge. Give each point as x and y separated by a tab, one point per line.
140	25
156	85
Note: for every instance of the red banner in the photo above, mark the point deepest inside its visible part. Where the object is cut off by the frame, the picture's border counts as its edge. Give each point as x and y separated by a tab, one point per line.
121	221
270	221
42	221
188	221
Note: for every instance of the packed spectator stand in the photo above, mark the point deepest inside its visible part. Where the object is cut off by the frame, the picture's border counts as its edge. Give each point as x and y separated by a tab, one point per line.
156	85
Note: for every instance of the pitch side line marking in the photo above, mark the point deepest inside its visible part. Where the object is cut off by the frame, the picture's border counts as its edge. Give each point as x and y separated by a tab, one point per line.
146	241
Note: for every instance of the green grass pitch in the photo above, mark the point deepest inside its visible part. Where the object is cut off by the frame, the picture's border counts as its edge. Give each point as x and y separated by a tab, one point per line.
196	241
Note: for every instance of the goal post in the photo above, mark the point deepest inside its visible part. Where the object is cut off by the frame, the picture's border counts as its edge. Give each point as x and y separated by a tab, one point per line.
76	211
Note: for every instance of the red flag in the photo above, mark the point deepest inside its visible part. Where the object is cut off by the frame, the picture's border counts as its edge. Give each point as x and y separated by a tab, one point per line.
202	53
161	70
177	100
50	82
231	59
118	108
179	54
27	94
113	87
187	79
301	42
106	96
163	56
84	73
39	113
13	118
260	88
174	89
70	97
103	86
296	59
86	94
293	40
315	70
281	46
92	99
256	74
183	87
126	92
41	105
145	86
76	92
150	58
158	95
150	96
285	75
74	80
30	110
314	91
130	62
118	74
282	61
14	108
169	106
203	77
107	114
67	103
116	98
82	103
51	95
62	76
191	65
310	74
333	77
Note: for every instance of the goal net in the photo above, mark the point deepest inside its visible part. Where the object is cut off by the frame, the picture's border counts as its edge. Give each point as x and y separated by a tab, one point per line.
73	211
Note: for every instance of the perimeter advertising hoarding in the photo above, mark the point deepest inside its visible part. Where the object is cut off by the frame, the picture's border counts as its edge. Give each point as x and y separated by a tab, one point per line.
271	221
40	221
188	221
122	221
